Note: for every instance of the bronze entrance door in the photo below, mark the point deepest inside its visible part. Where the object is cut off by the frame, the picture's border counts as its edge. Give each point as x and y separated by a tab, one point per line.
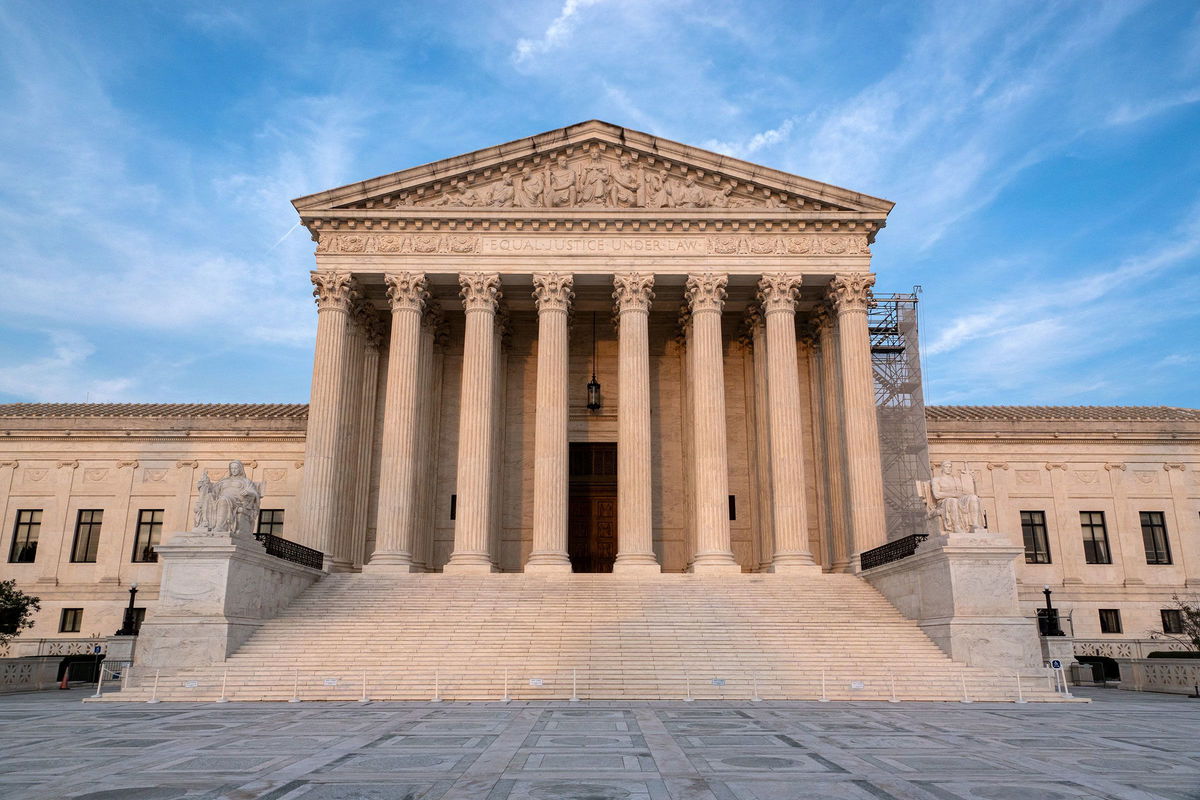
592	509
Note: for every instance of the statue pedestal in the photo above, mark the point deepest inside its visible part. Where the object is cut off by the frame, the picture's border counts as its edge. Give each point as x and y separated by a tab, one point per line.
961	588
216	590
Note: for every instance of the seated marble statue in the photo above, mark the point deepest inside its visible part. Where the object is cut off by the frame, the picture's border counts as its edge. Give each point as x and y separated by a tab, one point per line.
230	505
951	497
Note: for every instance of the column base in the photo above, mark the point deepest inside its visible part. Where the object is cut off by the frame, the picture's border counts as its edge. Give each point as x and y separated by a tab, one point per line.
378	566
474	564
337	565
637	564
545	565
794	568
715	563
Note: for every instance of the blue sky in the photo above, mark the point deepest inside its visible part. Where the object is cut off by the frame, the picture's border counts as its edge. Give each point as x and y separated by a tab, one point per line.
1044	159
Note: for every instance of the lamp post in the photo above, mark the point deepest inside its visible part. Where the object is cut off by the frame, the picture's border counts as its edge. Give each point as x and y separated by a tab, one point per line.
127	629
1051	628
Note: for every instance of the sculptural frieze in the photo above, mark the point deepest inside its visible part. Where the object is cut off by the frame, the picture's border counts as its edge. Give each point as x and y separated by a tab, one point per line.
951	498
229	505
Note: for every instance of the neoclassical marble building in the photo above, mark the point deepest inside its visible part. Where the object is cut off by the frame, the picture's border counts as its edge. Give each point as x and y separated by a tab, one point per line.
463	306
594	350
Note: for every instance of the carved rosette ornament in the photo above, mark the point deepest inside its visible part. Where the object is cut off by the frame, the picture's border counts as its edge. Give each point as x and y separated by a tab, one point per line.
480	290
407	290
705	291
778	291
553	291
632	291
851	292
334	290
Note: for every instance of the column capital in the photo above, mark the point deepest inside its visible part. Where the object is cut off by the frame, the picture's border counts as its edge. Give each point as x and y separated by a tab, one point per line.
705	291
553	291
633	291
407	291
822	318
434	319
334	290
480	290
778	291
374	331
751	323
851	292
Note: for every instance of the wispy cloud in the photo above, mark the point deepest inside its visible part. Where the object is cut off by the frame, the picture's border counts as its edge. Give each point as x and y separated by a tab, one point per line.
556	33
60	374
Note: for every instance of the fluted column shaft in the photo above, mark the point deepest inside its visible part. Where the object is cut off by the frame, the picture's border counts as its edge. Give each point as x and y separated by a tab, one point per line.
705	294
334	293
348	427
634	293
777	295
553	293
851	295
373	335
756	336
834	442
428	416
481	295
394	537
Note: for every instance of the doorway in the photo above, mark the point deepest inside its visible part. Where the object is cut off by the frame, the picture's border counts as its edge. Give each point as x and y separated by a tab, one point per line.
592	507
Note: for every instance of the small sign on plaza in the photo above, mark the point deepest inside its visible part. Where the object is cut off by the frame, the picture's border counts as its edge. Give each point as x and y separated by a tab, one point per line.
536	682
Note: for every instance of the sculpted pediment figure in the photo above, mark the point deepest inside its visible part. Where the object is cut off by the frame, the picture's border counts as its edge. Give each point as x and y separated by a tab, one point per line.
593	166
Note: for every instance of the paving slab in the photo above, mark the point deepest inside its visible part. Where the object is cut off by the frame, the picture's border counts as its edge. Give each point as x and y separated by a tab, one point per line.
1122	746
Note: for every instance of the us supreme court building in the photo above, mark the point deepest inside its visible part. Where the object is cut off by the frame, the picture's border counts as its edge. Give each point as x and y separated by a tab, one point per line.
597	351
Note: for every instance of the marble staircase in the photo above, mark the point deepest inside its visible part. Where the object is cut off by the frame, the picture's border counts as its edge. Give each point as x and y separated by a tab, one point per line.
458	637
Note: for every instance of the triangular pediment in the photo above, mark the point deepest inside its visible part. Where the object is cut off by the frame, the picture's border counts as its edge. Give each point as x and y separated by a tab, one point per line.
593	166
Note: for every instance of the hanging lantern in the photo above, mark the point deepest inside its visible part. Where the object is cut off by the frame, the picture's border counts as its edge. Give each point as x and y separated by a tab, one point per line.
593	387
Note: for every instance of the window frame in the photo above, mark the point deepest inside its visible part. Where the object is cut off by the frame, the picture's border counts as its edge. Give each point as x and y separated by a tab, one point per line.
1029	534
76	614
149	530
1090	527
1174	614
1151	531
17	550
272	527
1115	617
94	525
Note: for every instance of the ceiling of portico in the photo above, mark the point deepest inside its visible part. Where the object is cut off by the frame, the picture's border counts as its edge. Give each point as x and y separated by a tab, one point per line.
595	174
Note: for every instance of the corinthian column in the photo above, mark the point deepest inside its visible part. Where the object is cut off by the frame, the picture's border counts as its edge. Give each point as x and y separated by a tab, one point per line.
705	294
777	295
480	295
851	295
633	293
834	449
334	293
394	539
553	293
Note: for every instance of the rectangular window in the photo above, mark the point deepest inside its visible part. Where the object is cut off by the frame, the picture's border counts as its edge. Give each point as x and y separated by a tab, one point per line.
87	535
1095	537
270	520
1154	536
25	536
149	533
1172	620
1037	544
71	620
1110	620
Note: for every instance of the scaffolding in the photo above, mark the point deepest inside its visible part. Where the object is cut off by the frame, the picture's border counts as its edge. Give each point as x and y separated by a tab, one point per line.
900	406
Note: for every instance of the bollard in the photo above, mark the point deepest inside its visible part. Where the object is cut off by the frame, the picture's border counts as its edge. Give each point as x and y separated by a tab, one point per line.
894	698
574	689
224	680
754	698
295	688
962	677
823	699
689	697
437	686
505	698
1020	694
364	700
154	691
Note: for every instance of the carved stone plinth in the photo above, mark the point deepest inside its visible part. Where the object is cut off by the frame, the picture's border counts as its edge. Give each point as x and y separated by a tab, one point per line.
961	590
216	590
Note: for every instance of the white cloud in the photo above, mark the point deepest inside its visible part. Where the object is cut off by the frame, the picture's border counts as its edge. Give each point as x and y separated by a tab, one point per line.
58	376
556	33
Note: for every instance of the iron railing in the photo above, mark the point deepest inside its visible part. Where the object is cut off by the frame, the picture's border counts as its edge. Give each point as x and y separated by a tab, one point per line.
290	551
892	551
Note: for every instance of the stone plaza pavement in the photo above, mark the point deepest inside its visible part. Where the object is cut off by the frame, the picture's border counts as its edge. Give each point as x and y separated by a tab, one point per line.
1123	745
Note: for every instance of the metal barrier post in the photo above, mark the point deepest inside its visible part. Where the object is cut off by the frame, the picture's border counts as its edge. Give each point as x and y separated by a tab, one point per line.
574	688
962	677
505	698
295	688
824	698
688	698
1020	694
364	699
754	698
100	680
154	691
894	699
224	680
